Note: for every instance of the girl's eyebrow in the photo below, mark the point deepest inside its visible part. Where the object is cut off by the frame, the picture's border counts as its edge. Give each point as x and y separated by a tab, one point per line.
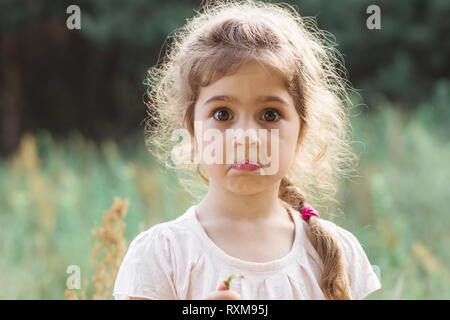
260	99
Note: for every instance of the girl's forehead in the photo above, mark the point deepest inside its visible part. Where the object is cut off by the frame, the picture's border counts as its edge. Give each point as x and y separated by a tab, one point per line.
254	70
250	79
216	68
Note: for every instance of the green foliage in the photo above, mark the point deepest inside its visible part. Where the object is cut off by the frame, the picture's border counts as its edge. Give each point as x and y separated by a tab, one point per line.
396	208
52	195
402	59
134	23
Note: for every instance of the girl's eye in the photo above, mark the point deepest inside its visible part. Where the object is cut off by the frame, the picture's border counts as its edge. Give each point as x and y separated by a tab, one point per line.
271	115
222	114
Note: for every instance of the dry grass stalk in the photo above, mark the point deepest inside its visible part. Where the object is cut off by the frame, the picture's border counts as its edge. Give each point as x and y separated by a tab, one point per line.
431	263
27	161
111	242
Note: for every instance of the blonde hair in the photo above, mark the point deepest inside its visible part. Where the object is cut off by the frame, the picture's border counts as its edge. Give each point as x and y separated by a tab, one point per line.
216	42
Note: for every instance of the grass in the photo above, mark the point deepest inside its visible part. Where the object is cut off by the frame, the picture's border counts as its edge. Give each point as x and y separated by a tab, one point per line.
52	196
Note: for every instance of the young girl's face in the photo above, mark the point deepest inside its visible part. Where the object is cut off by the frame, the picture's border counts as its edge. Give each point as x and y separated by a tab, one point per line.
245	110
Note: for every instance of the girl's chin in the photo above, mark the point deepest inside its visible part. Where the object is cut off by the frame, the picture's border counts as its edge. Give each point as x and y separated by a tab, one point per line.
246	185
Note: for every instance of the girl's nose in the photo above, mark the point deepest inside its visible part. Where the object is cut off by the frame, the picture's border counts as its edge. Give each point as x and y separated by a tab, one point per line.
241	136
246	127
245	145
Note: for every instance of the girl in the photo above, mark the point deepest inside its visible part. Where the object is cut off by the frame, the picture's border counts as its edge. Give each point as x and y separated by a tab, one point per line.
246	66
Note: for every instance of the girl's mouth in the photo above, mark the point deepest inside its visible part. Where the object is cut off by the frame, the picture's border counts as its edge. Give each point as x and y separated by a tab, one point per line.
246	166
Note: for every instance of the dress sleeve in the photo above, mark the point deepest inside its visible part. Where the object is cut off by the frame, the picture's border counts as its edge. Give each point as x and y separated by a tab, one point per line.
362	277
147	268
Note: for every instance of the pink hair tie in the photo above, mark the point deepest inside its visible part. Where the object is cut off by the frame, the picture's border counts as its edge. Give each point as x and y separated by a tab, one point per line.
307	211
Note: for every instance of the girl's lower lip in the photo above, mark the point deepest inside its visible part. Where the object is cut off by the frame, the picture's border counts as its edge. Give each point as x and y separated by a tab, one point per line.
246	166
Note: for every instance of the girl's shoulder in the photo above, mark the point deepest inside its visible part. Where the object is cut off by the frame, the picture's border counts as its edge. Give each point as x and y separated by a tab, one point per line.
360	271
152	261
170	235
348	241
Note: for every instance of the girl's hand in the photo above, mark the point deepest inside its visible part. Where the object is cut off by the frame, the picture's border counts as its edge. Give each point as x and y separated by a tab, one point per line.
222	293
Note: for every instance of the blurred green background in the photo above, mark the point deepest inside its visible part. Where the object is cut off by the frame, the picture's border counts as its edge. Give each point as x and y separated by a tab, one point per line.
71	139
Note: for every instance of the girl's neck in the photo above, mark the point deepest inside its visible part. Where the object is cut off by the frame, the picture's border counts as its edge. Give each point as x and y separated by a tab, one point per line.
222	203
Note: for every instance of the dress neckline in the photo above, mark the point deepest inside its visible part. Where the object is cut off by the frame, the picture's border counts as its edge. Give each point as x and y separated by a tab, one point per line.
251	265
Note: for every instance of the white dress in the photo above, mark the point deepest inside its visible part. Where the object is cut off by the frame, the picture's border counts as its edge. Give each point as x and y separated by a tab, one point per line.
177	260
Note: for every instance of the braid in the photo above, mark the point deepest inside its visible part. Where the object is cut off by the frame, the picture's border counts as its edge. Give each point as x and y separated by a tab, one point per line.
288	194
334	282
